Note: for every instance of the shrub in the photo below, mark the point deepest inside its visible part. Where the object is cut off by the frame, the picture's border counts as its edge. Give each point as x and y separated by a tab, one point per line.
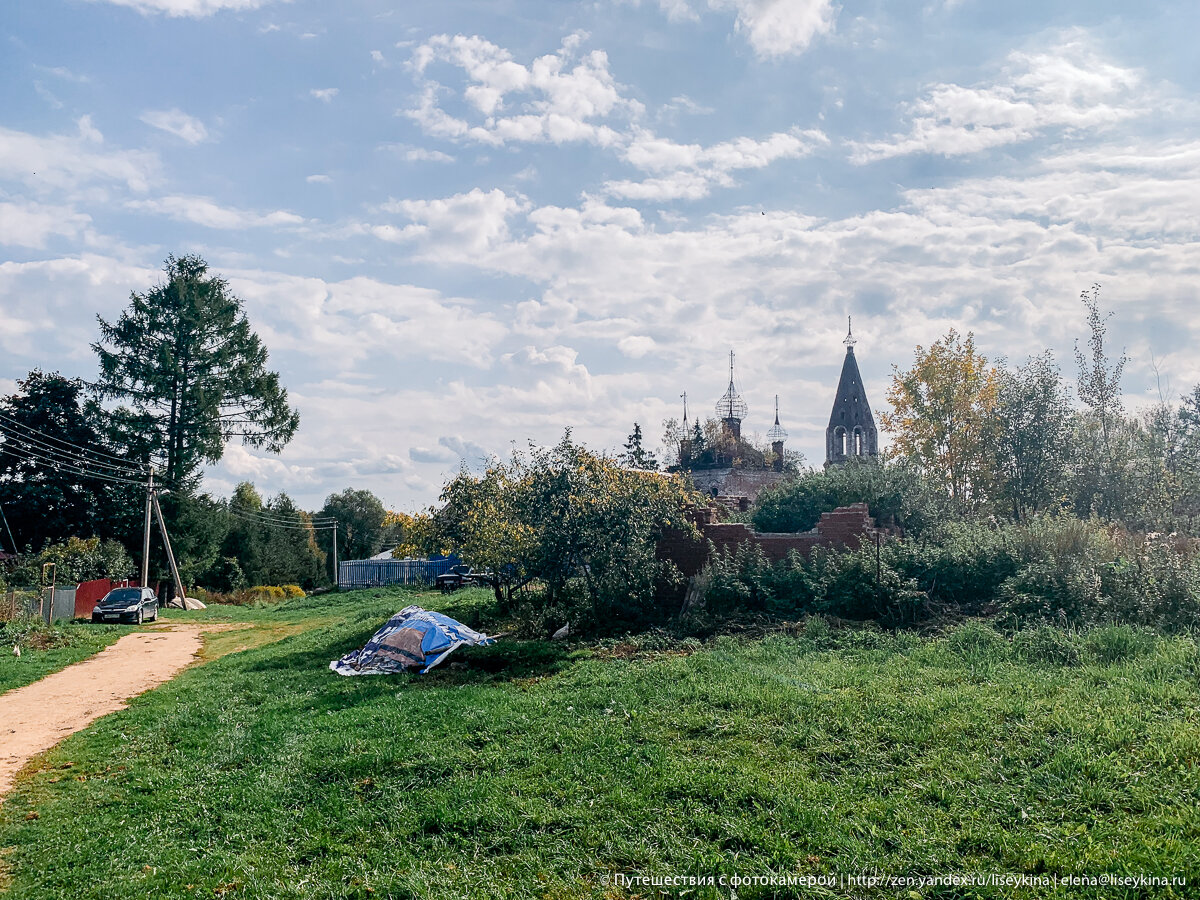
1118	643
856	584
1046	645
77	560
847	584
268	592
977	644
292	591
225	575
895	492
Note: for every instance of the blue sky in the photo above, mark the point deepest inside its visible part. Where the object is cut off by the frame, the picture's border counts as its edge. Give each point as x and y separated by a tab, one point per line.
460	225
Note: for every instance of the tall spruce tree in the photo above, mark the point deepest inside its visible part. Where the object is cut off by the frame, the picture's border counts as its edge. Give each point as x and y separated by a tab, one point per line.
194	373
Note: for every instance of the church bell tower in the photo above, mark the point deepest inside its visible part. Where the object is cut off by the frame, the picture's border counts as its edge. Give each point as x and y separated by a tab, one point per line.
851	432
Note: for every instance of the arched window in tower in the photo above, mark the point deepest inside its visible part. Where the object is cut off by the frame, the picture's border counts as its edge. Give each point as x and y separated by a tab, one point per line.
840	438
858	442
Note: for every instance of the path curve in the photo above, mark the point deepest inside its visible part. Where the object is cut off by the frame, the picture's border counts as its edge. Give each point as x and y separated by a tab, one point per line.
37	716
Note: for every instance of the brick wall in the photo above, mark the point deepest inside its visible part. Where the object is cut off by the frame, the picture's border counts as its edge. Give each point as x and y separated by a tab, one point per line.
847	526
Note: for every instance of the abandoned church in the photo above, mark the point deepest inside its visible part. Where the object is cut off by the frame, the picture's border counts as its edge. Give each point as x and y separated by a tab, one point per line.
725	465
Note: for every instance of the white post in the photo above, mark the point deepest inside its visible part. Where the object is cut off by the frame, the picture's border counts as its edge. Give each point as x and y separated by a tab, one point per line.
162	526
146	532
336	579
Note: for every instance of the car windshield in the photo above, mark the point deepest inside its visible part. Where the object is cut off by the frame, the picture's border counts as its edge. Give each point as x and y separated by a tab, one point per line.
124	595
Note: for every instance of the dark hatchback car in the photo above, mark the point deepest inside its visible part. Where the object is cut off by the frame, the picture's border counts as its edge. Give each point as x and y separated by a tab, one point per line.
458	576
131	604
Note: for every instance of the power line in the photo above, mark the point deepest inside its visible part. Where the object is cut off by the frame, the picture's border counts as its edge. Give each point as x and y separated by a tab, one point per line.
69	445
33	444
283	517
59	466
296	526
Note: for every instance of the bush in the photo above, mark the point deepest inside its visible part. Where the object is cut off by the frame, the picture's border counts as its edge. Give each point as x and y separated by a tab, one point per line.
977	644
1046	645
292	591
76	560
225	575
846	584
895	492
1118	643
267	592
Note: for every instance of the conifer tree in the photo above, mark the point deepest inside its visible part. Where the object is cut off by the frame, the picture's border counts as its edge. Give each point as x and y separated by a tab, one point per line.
194	373
636	456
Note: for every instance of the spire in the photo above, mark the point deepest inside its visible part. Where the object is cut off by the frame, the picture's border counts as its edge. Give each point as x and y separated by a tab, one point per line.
731	406
777	434
851	430
684	396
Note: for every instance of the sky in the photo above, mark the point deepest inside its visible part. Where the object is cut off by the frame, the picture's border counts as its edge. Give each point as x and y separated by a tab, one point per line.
462	226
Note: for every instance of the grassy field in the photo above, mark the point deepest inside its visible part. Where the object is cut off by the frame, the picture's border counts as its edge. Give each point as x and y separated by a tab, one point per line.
45	649
538	770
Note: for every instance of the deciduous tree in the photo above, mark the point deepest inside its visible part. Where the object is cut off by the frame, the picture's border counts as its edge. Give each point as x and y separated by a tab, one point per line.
941	413
1031	434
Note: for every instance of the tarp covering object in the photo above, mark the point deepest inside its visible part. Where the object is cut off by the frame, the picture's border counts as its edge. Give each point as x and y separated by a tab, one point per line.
413	638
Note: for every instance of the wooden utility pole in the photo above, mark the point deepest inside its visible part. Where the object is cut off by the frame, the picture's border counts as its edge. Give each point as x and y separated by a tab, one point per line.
336	580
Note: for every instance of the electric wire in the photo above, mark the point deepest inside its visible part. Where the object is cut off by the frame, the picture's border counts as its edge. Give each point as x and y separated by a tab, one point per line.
60	466
42	447
7	421
296	526
282	518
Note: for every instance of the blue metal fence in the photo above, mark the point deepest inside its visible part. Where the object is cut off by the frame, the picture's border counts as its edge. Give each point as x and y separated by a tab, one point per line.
364	573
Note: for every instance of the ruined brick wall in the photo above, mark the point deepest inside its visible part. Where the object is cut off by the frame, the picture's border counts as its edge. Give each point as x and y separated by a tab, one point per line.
847	526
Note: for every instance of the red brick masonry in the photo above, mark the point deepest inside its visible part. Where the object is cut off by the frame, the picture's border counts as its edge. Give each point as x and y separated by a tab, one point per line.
847	526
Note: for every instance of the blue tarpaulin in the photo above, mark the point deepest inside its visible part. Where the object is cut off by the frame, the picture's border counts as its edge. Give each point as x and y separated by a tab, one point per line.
413	638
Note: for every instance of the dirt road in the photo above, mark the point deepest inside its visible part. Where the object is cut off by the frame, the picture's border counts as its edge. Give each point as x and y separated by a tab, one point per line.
36	717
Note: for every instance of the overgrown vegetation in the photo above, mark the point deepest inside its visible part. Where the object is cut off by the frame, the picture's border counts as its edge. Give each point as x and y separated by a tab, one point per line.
534	770
564	535
1049	569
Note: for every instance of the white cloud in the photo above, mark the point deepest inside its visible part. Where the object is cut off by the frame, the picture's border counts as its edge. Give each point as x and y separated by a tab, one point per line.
469	223
193	8
318	179
422	154
345	321
65	74
689	171
435	455
780	27
178	123
206	212
1067	86
44	162
635	346
558	98
31	224
772	27
325	95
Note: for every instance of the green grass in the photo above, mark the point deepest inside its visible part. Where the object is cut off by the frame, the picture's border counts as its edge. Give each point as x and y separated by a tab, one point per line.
47	649
537	769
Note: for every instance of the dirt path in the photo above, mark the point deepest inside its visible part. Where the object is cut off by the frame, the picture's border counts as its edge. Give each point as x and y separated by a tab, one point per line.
36	717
